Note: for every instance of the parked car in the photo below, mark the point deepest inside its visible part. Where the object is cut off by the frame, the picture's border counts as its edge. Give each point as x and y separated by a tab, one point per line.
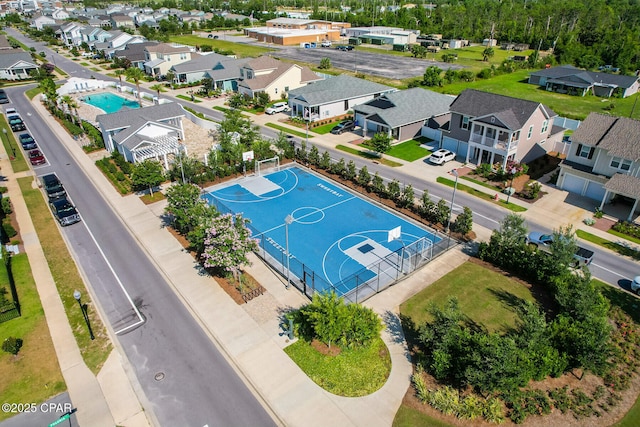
16	124
325	43
27	141
64	211
52	186
635	285
278	107
11	112
345	126
37	158
542	241
441	157
4	99
344	47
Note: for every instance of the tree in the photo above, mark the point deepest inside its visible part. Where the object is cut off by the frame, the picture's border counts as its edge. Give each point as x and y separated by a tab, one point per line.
147	174
181	200
432	76
463	222
407	197
227	244
350	172
393	190
119	73
381	142
135	74
418	51
314	155
158	88
364	178
72	106
488	53
377	184
325	64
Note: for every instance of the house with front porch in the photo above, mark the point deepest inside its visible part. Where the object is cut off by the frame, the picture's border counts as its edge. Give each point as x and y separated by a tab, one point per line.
16	65
490	128
154	132
575	81
334	96
161	57
401	114
604	160
277	78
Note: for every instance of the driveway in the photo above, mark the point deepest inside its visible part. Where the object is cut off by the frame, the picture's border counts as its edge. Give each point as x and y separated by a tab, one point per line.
377	64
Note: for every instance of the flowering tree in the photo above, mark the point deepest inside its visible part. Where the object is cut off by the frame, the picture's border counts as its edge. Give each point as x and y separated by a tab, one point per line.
227	243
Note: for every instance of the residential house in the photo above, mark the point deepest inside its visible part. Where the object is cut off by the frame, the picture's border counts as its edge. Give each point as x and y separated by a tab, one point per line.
152	132
60	14
118	40
40	21
490	128
122	21
401	114
135	53
334	96
575	81
604	160
161	57
277	78
70	34
224	71
16	65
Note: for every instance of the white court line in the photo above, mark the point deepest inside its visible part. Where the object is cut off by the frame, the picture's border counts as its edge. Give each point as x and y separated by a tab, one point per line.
135	309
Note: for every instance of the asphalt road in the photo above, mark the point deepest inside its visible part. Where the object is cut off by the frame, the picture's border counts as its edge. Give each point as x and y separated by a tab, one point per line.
198	387
375	64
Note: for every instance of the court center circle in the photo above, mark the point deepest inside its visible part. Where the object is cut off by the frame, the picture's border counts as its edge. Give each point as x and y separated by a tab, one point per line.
308	215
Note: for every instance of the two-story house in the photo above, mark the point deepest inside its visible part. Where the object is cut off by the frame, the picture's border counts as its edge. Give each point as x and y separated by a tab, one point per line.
277	78
604	159
161	57
489	128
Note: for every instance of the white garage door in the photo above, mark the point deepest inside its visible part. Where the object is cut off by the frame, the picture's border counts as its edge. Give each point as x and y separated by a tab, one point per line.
573	184
595	190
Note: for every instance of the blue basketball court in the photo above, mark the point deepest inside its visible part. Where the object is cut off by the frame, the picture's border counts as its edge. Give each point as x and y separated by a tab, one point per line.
341	238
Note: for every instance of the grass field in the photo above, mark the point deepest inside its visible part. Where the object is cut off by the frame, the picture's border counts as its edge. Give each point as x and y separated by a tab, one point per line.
287	130
67	278
484	297
241	50
352	373
368	155
34	375
409	150
614	246
511	206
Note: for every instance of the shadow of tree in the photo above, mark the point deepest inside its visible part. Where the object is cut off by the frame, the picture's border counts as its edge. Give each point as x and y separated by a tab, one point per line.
394	325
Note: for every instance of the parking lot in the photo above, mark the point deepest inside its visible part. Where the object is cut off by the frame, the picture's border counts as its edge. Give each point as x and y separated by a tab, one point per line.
376	64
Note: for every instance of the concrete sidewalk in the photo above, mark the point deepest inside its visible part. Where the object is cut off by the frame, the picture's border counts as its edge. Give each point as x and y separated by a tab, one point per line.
92	398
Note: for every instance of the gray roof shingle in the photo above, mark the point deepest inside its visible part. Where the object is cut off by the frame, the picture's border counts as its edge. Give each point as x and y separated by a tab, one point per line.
336	89
569	73
129	118
624	184
513	112
619	136
406	106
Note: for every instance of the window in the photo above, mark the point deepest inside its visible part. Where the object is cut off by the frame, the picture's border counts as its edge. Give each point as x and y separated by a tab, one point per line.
585	151
183	56
530	132
545	126
286	88
276	90
620	163
465	122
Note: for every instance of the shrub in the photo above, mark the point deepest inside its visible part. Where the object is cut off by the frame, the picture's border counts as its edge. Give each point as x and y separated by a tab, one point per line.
463	222
12	345
9	231
5	206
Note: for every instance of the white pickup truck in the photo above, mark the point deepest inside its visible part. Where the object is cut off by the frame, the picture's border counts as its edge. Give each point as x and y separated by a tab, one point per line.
543	242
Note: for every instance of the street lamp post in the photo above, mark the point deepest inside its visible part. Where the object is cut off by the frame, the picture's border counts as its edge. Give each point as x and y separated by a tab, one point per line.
453	197
78	296
512	172
288	220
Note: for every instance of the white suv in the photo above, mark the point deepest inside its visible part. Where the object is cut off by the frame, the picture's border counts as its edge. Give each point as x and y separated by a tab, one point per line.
441	157
278	107
326	43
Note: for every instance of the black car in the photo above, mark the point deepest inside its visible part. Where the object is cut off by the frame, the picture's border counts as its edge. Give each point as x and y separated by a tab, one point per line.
64	211
16	124
27	141
345	126
4	99
344	47
53	187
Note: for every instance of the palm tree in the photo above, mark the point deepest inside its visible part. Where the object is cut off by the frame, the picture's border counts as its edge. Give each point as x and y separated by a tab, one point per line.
72	106
119	72
488	53
158	88
135	74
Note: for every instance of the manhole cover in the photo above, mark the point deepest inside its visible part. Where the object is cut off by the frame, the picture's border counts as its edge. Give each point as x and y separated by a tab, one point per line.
159	376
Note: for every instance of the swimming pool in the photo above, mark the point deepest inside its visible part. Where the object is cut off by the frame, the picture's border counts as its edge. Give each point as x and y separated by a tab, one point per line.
108	102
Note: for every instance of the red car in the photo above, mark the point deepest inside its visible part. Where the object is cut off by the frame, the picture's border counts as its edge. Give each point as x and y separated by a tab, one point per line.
36	157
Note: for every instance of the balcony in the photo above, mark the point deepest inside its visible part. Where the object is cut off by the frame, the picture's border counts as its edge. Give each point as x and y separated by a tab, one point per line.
500	143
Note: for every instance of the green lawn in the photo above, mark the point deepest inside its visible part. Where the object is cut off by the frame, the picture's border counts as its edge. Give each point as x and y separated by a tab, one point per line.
324	129
188	98
368	155
515	85
12	147
239	49
288	130
484	296
352	373
410	150
67	278
33	376
614	246
511	206
624	236
409	417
